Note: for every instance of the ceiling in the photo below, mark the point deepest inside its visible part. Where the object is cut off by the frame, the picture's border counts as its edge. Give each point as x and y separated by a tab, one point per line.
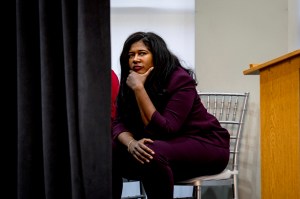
188	5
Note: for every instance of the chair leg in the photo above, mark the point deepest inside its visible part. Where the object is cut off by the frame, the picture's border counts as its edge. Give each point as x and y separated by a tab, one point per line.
197	192
235	188
142	190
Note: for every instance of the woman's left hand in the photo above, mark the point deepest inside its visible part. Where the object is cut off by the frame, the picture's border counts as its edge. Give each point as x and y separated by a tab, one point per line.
140	151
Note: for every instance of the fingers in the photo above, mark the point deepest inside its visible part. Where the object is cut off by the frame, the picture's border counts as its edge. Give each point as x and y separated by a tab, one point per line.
141	152
146	140
148	71
141	157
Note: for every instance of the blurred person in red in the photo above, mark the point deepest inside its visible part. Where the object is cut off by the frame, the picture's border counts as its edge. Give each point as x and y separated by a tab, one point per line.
114	93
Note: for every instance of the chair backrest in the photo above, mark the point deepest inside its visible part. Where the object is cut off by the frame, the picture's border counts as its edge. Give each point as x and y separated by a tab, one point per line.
229	109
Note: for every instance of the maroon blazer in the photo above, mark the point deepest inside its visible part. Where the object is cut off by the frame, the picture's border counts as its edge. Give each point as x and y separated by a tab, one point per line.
182	115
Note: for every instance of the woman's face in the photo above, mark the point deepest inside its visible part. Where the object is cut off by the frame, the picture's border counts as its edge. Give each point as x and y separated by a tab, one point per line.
140	58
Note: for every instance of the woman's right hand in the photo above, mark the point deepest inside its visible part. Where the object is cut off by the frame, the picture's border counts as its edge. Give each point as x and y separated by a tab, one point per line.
136	80
140	151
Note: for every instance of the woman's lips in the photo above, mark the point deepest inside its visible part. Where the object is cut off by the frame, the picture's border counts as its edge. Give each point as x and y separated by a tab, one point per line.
137	68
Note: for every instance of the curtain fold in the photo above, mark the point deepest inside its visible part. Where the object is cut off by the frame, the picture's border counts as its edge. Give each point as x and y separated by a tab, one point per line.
63	76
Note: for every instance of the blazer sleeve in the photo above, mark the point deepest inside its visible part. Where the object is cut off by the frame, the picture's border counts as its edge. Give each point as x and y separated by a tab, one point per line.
182	93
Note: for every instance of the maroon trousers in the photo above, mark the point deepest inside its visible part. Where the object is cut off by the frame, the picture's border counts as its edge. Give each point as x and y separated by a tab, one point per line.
176	159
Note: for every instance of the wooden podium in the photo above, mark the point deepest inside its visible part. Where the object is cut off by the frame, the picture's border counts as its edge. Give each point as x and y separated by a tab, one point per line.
279	117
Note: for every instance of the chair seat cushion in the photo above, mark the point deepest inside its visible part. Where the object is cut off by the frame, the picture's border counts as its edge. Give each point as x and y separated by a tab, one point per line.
226	174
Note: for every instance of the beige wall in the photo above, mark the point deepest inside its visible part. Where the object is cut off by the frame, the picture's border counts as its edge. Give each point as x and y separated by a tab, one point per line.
294	24
230	35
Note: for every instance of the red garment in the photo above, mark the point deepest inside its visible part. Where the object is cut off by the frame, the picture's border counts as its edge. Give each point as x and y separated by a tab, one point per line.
114	93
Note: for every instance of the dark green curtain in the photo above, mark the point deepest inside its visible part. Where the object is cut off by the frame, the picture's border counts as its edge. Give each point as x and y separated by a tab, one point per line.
60	70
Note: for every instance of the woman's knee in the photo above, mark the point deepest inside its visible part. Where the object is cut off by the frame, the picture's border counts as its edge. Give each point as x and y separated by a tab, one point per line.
159	156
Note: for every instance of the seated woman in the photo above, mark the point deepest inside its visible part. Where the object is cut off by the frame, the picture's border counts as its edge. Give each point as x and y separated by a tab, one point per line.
162	133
